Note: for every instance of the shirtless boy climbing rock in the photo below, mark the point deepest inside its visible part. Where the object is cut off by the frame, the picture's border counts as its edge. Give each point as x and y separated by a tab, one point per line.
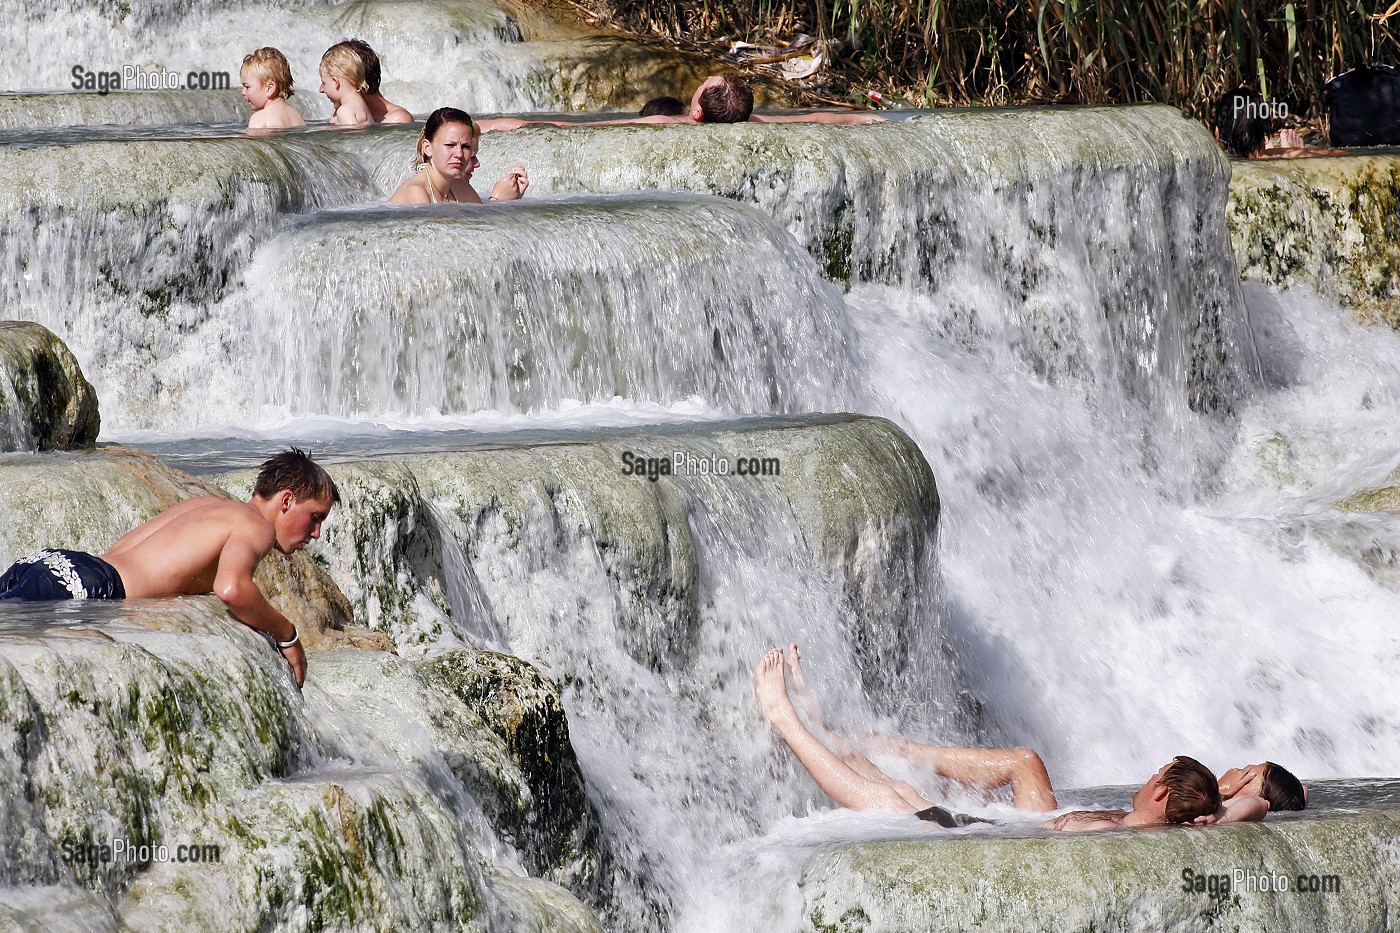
202	545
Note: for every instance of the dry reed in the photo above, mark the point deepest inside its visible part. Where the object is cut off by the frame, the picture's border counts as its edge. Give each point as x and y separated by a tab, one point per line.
972	52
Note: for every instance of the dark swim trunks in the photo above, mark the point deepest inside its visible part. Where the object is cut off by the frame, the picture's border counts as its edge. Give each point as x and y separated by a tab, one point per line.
947	818
50	574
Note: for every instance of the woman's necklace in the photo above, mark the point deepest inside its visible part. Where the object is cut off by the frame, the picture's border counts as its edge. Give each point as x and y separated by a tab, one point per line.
435	195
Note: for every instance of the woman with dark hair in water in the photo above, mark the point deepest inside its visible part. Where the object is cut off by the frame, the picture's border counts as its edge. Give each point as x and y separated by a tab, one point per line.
446	157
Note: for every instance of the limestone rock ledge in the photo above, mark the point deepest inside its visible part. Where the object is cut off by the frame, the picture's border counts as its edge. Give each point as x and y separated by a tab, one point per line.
544	809
1328	223
1113	881
435	549
168	724
45	402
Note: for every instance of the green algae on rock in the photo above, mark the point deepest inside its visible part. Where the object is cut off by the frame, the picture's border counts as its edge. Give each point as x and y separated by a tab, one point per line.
164	724
555	830
1329	223
1381	498
45	402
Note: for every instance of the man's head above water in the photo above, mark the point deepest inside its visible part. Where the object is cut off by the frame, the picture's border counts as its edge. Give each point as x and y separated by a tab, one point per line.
1181	790
721	99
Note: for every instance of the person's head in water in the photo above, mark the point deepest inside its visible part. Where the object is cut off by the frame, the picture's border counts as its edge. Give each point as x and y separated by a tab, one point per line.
369	60
721	99
342	70
1181	790
1241	123
448	142
1273	782
663	107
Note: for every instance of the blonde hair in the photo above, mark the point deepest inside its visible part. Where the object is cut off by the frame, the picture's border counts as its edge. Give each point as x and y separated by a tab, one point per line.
436	120
341	61
270	65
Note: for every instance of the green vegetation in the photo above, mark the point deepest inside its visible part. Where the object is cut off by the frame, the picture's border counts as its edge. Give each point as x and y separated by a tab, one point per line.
1182	52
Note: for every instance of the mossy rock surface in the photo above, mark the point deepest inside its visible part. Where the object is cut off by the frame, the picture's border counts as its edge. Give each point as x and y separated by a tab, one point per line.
523	707
169	724
1382	498
1332	224
45	401
1113	881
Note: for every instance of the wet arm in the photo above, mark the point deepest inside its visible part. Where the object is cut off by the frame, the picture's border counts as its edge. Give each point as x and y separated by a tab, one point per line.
233	584
1244	809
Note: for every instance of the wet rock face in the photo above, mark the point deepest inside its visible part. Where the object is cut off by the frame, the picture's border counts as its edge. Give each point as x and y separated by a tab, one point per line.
1335	869
168	724
413	540
45	402
554	830
1327	223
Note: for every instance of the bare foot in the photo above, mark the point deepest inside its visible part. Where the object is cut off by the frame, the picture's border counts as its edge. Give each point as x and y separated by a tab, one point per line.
770	688
792	658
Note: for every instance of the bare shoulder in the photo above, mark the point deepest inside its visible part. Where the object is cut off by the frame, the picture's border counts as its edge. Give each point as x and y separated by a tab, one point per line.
396	114
216	509
289	117
243	524
411	192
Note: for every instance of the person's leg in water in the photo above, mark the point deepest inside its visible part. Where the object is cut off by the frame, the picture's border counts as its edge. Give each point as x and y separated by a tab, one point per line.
836	778
803	698
1021	769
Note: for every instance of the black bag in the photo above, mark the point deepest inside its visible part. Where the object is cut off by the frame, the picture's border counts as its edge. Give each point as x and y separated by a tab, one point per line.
1364	105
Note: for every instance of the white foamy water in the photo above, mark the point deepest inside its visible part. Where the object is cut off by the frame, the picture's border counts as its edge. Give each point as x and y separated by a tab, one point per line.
434	54
1081	580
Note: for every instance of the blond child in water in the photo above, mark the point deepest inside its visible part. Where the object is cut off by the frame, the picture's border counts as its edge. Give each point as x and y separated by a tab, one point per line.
380	109
267	83
343	82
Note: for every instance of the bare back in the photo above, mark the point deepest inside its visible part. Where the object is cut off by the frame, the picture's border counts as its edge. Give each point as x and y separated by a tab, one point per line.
1077	821
178	551
384	111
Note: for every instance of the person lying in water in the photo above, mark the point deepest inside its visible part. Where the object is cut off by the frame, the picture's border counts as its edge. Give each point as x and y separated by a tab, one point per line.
1247	793
202	545
446	158
1181	791
1251	792
718	99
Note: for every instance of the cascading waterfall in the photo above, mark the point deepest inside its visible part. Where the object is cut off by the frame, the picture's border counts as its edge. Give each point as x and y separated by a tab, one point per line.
400	321
650	605
463	45
1136	463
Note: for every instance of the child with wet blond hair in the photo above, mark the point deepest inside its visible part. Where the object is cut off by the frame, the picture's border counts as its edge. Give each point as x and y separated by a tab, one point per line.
343	82
267	83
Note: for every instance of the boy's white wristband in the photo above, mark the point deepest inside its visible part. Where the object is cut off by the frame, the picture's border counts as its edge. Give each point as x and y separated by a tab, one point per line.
296	637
